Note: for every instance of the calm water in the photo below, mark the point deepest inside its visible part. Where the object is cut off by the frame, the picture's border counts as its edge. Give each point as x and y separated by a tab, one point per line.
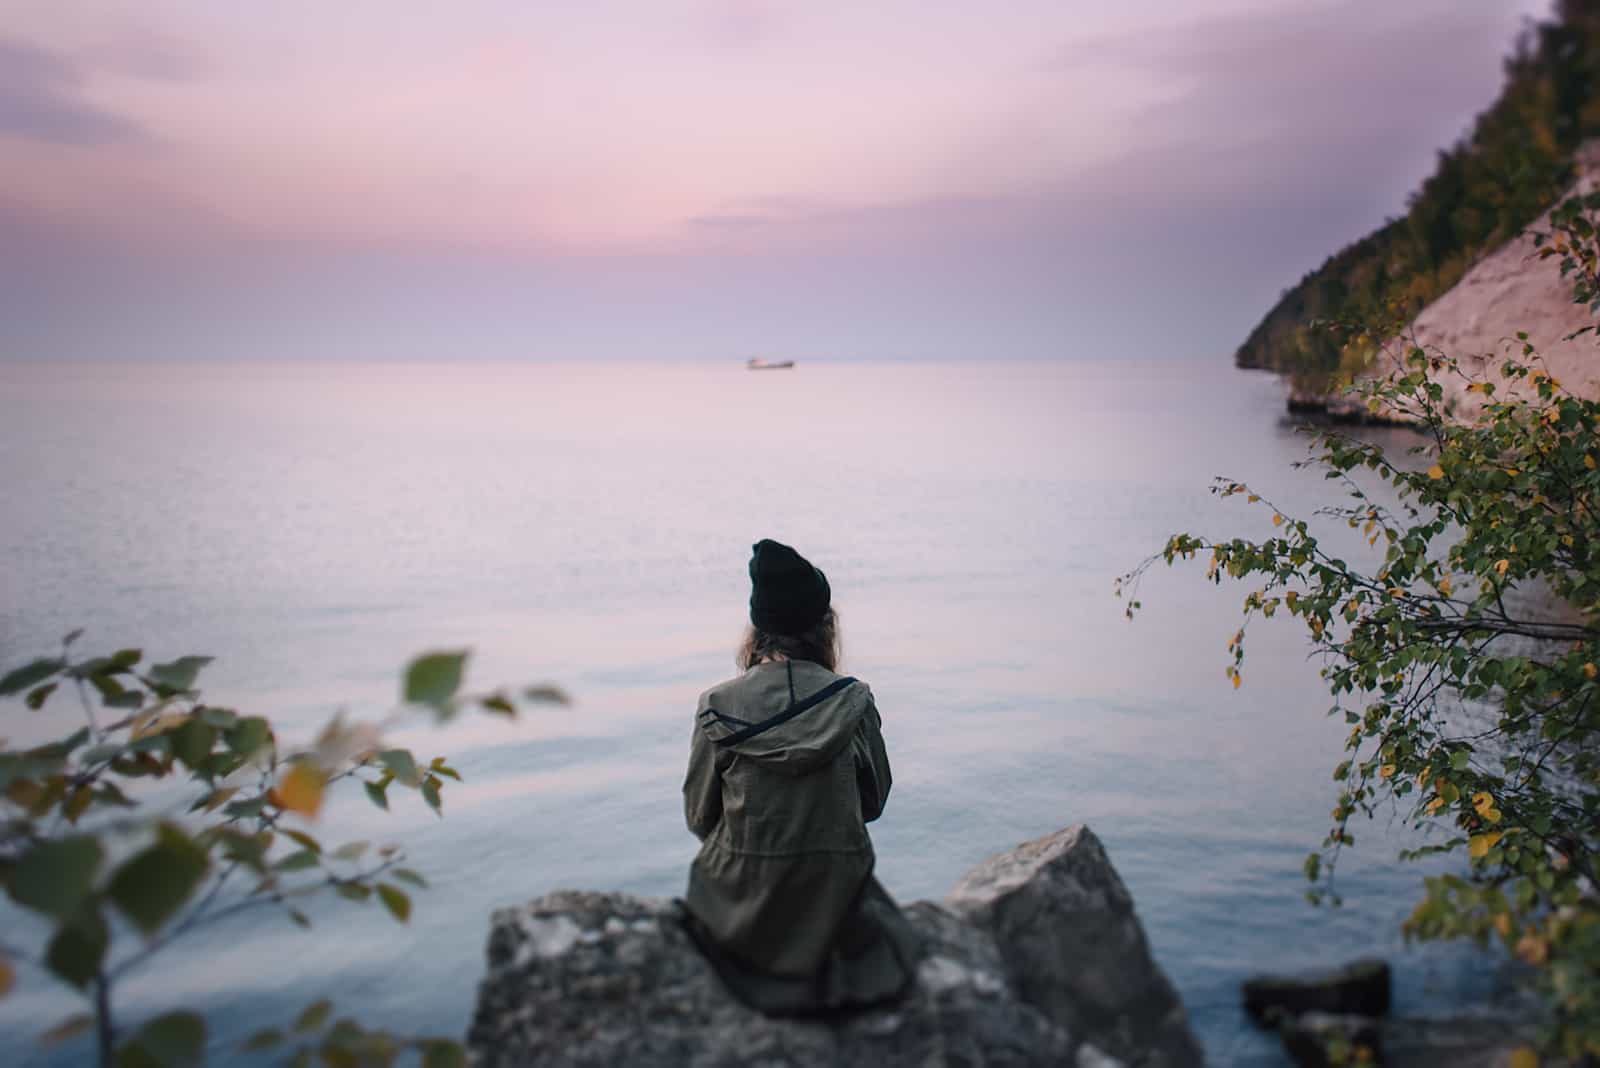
314	526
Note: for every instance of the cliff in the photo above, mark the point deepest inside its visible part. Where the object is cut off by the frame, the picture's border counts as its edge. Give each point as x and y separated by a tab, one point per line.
1035	958
1511	166
1509	291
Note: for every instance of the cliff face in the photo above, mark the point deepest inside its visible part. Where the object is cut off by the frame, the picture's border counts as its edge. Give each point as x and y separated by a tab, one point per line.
1510	290
1513	163
1036	958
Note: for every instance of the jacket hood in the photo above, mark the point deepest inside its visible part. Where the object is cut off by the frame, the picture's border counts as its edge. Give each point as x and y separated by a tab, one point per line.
796	744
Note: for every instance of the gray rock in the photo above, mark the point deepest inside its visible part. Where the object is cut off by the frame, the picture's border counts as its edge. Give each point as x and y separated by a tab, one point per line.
1037	959
1360	988
1065	925
1324	1039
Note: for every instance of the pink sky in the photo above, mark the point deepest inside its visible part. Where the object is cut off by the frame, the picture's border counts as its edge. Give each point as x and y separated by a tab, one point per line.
622	151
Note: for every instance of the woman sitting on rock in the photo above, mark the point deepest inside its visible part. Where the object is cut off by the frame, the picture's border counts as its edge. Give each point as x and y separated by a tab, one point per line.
786	768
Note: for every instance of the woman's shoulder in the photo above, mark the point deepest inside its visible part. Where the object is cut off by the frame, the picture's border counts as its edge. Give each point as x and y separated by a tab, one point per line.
809	677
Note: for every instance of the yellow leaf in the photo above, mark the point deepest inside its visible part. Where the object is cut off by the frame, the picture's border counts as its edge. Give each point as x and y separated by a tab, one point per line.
1277	520
1238	680
1501	567
1589	462
1482	801
1523	1057
1387	771
1253	498
1533	949
301	790
1502	923
1435	472
1512	471
1480	844
1435	805
8	977
1445	586
1589	670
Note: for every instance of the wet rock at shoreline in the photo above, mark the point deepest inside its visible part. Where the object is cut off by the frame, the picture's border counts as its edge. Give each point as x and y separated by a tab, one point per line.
1361	988
1037	958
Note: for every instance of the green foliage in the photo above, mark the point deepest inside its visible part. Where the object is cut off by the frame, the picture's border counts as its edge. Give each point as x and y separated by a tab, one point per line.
1514	164
1465	662
80	840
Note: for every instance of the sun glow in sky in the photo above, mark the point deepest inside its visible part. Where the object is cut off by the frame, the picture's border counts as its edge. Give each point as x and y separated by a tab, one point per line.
600	178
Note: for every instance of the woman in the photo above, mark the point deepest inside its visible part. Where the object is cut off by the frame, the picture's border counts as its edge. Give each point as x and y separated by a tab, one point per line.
786	768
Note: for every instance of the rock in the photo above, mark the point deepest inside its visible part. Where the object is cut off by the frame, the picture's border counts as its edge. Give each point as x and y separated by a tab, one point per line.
1036	959
1322	1040
1360	988
1065	925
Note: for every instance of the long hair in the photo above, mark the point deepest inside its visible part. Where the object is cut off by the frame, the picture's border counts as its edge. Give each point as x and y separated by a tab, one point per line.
818	644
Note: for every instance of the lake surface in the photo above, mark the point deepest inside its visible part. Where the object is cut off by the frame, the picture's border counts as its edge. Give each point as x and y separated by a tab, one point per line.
313	526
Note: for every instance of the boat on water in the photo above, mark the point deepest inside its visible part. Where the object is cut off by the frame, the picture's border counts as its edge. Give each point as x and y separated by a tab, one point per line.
757	364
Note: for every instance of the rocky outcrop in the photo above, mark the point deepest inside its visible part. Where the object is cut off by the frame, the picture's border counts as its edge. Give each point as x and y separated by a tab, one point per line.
1360	988
1036	958
1507	292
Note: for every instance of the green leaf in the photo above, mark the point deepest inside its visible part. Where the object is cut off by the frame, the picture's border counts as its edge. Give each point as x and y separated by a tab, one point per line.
313	1017
78	947
499	705
299	860
376	794
174	1040
178	675
401	762
406	875
55	877
153	885
352	891
430	794
395	900
248	735
547	694
1459	759
261	1040
350	851
433	678
220	718
306	840
30	674
39	695
192	741
443	1053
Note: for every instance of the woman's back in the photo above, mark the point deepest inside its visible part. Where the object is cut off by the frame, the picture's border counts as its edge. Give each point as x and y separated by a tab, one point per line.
786	767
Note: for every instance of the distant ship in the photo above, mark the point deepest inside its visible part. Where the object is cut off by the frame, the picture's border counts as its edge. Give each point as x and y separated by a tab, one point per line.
768	365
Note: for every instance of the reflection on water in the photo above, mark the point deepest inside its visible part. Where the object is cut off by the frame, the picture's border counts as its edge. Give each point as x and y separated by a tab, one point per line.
312	526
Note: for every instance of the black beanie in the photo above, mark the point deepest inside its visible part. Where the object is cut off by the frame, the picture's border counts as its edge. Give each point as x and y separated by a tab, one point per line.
787	595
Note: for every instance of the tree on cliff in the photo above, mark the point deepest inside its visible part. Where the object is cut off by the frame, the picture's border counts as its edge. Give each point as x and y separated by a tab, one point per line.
1517	160
1464	653
115	864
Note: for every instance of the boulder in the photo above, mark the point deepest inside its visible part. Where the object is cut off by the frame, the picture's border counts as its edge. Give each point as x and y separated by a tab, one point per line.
1036	959
1361	988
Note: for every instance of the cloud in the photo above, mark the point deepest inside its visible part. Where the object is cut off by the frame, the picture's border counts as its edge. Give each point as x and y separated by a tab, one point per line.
138	51
42	99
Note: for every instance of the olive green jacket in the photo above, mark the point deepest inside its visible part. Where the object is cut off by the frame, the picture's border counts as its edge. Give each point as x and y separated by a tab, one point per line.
785	858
